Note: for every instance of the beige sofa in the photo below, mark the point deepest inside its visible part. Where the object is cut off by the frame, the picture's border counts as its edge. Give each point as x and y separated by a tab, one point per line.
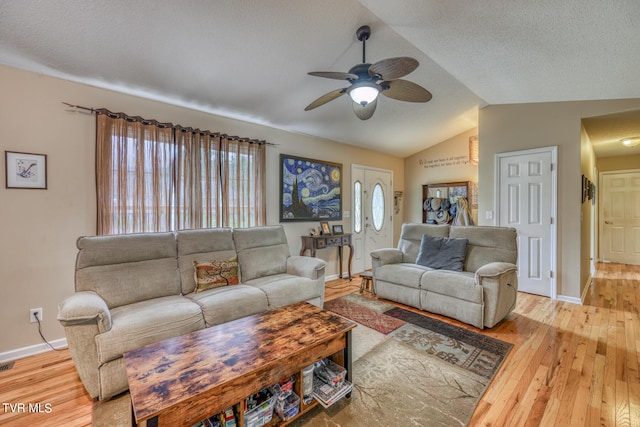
481	295
136	289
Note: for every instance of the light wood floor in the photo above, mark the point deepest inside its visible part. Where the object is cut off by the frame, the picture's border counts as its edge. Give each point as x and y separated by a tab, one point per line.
571	365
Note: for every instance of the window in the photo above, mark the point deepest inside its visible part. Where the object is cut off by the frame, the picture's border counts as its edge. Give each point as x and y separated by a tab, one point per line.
162	178
377	207
357	207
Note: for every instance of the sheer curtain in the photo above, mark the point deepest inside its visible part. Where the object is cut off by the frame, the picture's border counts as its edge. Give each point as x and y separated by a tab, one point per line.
158	177
243	183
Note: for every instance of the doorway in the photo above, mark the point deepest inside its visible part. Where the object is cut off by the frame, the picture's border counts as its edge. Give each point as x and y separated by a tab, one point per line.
619	227
372	219
526	199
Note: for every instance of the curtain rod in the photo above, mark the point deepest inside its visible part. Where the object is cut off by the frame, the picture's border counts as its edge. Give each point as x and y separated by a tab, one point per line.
159	124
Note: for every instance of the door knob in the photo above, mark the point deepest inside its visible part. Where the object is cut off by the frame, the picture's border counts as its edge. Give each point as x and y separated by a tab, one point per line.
608	222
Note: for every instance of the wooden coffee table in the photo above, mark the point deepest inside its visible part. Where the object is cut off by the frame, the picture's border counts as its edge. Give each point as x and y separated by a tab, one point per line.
183	380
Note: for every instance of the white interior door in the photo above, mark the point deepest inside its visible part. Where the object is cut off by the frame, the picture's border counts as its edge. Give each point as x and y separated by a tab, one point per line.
620	217
526	201
372	221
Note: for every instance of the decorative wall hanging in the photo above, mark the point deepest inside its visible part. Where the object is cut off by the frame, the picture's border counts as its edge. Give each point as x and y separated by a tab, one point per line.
26	170
310	190
473	150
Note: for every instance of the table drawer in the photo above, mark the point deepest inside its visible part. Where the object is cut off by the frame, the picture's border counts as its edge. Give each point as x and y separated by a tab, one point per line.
333	241
321	243
346	240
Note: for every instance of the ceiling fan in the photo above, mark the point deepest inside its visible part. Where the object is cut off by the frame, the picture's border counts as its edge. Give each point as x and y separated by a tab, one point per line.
370	80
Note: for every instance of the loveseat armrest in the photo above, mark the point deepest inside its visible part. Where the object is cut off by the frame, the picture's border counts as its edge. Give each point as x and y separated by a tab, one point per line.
499	281
495	269
304	266
382	257
84	308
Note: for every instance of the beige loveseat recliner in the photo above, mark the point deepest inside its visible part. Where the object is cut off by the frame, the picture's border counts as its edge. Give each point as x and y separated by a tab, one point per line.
137	289
481	295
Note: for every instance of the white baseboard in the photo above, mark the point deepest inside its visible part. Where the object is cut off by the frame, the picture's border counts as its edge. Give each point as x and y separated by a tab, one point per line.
345	275
586	288
572	300
31	350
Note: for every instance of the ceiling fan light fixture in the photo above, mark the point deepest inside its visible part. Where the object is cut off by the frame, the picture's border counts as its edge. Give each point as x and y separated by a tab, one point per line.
631	142
364	93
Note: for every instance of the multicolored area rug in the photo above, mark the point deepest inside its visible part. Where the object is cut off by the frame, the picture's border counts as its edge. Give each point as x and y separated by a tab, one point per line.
410	369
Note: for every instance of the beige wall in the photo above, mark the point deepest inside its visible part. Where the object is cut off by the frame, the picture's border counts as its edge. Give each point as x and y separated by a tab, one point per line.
447	161
504	128
587	210
39	227
618	163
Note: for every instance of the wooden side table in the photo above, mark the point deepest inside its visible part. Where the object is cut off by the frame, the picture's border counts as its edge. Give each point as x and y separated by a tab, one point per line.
312	243
366	282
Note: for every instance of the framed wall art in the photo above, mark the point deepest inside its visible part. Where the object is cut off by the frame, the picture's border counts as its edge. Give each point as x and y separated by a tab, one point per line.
25	170
310	190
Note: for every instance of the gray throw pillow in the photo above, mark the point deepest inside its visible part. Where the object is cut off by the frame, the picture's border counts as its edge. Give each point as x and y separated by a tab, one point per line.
442	253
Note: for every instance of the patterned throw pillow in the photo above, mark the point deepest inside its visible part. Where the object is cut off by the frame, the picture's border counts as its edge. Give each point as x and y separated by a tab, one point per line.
216	273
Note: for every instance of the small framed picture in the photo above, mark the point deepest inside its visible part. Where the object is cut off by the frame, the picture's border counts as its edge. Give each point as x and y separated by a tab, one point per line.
337	229
324	228
25	170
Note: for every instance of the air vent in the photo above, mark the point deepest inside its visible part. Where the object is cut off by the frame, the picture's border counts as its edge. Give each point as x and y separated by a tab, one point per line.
6	366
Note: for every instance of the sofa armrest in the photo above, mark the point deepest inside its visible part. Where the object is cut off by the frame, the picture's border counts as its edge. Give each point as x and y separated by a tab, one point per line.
386	256
84	308
304	266
494	269
84	316
499	281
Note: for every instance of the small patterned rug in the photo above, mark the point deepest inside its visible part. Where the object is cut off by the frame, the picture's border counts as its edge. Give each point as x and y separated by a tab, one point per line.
469	350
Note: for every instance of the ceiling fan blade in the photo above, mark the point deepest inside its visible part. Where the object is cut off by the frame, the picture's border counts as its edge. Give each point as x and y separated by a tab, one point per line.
325	98
393	68
334	75
365	112
404	90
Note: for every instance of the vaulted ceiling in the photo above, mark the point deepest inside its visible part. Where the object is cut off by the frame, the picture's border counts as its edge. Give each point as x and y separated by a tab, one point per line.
249	59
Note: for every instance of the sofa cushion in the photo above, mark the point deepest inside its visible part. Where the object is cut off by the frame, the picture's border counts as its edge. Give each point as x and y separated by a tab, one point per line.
262	251
209	275
142	323
457	284
128	268
404	273
220	305
201	245
442	253
411	237
284	289
487	244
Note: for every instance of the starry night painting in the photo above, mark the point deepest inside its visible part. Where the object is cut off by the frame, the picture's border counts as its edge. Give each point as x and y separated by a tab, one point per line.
310	190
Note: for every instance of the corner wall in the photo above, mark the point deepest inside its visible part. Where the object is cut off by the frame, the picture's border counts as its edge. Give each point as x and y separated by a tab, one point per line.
447	161
39	228
513	127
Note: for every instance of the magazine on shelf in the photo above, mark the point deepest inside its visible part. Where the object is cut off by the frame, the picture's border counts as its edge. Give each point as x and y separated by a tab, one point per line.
328	395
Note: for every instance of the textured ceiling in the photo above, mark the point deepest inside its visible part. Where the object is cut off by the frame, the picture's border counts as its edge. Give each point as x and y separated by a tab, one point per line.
249	59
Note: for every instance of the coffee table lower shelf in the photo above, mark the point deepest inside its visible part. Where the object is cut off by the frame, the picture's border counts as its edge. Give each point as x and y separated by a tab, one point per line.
184	380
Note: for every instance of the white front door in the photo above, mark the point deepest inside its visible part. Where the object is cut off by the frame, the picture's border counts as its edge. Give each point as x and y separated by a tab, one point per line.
620	217
372	221
526	201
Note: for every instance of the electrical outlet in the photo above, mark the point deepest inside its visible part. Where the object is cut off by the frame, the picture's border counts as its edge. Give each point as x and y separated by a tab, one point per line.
32	315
